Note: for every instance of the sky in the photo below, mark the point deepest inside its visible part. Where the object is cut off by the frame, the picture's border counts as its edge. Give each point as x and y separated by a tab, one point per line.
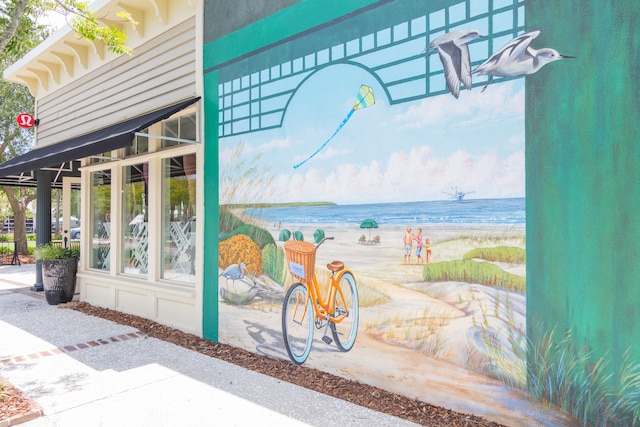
390	153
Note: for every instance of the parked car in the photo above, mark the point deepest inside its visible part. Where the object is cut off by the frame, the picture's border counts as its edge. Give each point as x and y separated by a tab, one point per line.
75	233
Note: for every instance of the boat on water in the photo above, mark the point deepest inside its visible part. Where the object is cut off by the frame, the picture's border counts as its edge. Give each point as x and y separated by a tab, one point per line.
456	194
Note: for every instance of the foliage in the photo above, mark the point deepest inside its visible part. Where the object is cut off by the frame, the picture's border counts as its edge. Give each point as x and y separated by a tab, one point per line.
588	389
273	263
240	249
509	254
227	222
259	235
50	251
284	235
18	24
241	181
473	272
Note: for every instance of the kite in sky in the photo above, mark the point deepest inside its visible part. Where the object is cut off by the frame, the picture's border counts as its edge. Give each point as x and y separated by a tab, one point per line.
365	99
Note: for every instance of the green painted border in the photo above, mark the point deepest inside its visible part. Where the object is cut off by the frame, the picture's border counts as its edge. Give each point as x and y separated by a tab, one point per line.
211	197
272	29
275	28
582	168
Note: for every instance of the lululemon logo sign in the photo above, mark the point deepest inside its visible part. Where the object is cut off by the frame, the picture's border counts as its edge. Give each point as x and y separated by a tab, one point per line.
25	120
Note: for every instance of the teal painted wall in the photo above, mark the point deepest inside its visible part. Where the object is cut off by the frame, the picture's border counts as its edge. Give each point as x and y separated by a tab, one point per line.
583	176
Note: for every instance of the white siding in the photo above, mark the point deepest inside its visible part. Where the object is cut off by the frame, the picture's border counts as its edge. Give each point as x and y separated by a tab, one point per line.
160	73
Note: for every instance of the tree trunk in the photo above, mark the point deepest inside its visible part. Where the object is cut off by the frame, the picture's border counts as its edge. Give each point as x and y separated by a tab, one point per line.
19	206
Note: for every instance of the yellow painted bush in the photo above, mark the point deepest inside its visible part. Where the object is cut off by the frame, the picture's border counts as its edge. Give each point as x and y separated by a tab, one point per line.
239	249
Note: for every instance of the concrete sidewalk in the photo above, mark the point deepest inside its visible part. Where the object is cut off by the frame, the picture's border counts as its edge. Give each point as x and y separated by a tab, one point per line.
87	371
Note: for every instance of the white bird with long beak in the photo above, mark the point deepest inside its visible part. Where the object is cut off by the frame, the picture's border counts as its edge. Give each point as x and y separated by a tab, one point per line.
454	55
517	58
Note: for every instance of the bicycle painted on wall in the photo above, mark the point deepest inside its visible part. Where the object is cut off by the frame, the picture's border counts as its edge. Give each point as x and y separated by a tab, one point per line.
305	308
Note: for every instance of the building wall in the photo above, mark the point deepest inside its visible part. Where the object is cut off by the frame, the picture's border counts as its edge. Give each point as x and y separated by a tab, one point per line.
583	191
126	87
582	188
230	15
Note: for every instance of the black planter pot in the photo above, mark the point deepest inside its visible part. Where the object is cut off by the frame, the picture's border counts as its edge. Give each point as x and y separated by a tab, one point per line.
59	279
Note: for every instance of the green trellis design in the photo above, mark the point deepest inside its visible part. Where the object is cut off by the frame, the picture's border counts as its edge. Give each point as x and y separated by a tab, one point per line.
254	92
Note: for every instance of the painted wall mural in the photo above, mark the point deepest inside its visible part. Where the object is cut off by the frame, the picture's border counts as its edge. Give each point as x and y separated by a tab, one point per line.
392	251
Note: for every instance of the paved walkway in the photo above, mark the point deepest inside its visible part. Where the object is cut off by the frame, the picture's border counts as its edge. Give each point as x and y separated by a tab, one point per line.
87	371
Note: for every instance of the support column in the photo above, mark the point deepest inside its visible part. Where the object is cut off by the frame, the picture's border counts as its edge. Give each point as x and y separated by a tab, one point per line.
43	219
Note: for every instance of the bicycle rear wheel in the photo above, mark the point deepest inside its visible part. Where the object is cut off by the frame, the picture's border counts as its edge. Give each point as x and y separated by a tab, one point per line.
297	323
344	332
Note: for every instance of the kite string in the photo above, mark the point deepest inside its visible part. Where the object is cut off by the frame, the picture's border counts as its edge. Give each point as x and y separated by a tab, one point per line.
346	119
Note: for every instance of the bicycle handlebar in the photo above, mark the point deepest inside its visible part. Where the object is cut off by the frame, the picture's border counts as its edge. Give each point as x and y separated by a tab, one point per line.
322	241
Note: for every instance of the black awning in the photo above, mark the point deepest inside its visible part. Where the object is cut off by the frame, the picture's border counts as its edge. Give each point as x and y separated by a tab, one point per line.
110	138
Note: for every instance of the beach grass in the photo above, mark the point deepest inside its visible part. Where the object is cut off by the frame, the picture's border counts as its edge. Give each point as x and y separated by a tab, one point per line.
469	271
510	254
419	331
572	379
481	237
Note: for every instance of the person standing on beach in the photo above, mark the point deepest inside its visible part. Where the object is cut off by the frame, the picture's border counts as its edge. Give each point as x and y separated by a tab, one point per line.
408	243
418	239
427	250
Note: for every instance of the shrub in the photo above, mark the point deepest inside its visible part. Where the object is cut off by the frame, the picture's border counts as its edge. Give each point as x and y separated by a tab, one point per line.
473	272
273	263
49	251
239	249
259	235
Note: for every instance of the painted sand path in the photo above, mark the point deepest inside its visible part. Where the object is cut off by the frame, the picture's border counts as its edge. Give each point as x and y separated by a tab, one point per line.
380	361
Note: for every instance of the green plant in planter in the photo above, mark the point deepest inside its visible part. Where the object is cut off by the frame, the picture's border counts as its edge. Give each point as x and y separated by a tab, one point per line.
59	268
49	251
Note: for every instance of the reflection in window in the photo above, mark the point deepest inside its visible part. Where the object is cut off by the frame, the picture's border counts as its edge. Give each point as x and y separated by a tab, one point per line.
178	218
101	158
135	209
100	219
183	127
139	145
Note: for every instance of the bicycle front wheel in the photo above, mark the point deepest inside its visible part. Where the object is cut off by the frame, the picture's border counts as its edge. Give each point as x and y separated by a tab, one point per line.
346	306
297	323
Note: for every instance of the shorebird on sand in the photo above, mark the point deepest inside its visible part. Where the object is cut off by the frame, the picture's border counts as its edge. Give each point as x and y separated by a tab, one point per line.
454	54
234	272
517	58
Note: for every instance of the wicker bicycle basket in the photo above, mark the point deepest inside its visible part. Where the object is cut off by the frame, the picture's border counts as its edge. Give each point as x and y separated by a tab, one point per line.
301	259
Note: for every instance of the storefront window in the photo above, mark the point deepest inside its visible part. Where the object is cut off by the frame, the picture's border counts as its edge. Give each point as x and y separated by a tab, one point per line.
183	127
101	158
100	219
135	225
140	144
178	218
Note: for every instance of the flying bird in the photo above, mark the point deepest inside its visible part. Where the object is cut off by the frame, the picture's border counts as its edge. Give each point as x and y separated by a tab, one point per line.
454	55
517	58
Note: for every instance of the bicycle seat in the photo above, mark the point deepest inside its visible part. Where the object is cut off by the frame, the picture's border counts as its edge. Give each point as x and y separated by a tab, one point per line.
335	266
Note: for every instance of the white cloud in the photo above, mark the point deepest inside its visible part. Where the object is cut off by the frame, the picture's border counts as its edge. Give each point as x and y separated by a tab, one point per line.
407	176
494	104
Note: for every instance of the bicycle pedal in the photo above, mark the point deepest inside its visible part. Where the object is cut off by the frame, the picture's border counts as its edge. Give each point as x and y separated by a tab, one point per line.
327	340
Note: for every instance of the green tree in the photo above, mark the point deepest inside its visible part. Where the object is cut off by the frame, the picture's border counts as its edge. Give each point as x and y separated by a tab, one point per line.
19	33
15	140
18	19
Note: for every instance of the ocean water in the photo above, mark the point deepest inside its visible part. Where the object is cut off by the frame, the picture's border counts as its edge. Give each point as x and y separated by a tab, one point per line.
442	212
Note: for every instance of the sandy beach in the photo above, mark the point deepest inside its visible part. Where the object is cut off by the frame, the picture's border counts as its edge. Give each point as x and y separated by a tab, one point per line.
423	340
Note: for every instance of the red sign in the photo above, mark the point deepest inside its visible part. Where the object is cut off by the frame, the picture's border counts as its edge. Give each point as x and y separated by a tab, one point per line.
25	120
